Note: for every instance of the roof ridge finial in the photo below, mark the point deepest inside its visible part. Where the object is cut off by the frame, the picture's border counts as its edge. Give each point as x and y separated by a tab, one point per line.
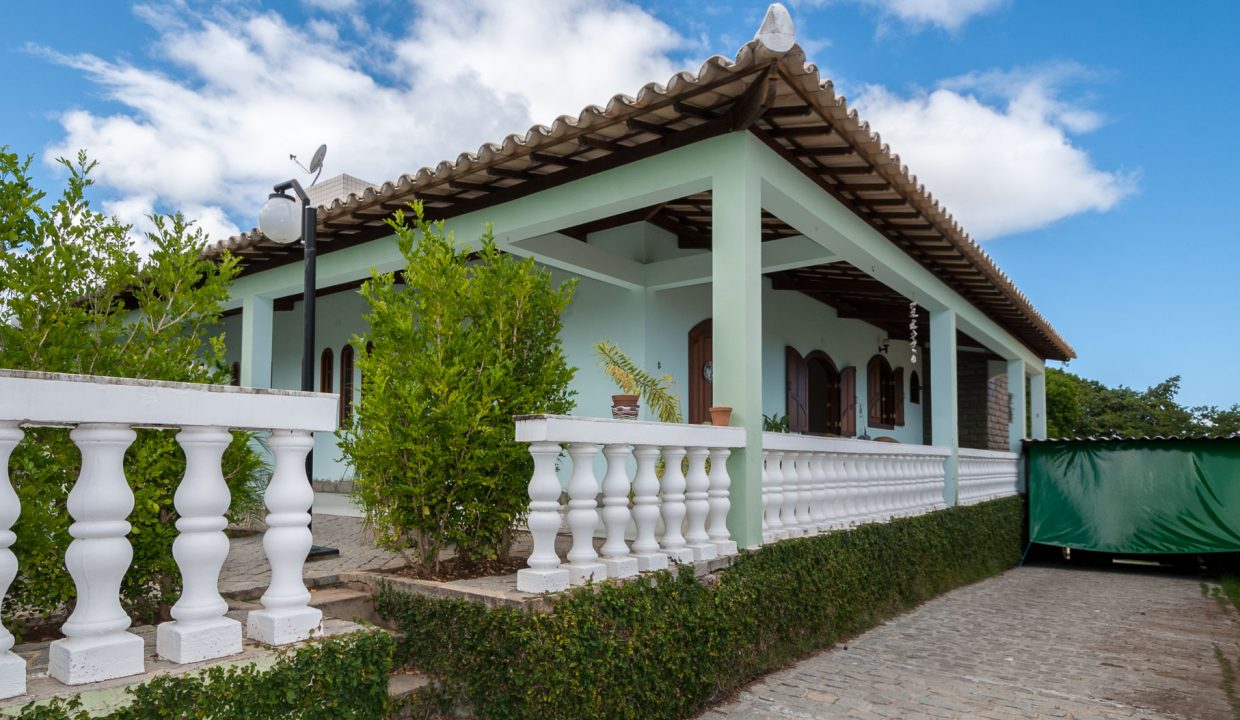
777	32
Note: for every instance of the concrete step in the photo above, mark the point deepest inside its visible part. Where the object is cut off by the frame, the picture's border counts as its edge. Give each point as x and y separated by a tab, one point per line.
346	603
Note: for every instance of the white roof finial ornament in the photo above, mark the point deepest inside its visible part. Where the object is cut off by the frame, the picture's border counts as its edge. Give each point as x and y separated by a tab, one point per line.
777	32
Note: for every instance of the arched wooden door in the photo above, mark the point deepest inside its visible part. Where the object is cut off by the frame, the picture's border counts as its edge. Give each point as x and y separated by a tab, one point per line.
823	387
701	372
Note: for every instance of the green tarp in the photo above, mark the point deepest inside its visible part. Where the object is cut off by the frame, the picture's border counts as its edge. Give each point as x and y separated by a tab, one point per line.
1136	496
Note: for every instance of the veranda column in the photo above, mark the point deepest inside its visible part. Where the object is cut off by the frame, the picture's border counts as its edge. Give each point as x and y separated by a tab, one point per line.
736	308
583	565
945	428
616	557
286	616
12	668
256	331
1016	389
1037	405
200	630
544	573
97	645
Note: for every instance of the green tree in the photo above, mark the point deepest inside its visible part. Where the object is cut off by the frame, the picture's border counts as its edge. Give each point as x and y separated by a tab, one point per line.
473	340
76	297
1078	406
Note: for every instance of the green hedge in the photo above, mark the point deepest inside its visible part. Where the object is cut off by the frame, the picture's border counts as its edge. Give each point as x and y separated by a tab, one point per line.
665	645
337	677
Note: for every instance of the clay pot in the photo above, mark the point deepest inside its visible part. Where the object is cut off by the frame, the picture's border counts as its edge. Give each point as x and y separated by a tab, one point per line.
624	407
721	415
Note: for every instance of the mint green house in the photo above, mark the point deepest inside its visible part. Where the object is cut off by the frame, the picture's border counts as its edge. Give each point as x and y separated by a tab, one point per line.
739	228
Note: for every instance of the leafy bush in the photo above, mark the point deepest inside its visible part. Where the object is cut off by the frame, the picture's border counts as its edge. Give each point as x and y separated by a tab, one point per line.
77	297
338	677
473	340
664	645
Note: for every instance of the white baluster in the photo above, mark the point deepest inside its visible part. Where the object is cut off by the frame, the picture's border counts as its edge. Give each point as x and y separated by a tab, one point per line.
616	557
889	487
286	616
200	631
848	489
97	646
12	667
720	503
673	541
868	481
697	489
583	565
791	484
646	510
908	485
833	499
544	573
805	494
818	503
773	479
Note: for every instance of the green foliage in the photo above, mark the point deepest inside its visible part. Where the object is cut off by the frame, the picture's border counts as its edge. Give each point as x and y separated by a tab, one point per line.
1077	406
664	645
338	677
76	297
471	342
775	423
632	380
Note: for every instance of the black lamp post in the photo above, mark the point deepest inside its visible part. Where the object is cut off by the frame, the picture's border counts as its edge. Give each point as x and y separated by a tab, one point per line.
279	221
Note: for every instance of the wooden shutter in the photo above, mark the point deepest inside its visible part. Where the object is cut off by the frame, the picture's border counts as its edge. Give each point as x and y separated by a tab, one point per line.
899	382
874	391
797	377
848	402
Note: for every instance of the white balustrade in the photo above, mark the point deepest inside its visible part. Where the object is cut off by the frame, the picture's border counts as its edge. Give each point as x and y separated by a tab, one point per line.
103	413
12	668
693	507
837	482
986	475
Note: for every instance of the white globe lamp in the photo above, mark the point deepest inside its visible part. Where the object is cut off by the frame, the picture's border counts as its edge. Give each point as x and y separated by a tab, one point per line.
280	219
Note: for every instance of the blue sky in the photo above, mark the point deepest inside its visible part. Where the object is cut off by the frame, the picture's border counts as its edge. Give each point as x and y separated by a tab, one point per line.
1090	146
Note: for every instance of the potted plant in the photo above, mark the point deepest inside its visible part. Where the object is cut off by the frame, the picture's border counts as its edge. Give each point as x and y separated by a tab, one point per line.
635	383
721	415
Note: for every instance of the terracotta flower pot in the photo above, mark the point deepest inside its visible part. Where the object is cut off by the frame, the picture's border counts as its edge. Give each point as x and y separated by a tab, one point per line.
721	415
624	407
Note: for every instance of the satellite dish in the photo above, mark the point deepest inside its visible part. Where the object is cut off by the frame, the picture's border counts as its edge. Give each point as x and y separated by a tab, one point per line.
316	163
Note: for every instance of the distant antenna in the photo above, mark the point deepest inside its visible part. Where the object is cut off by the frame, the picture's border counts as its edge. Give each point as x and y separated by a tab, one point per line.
316	163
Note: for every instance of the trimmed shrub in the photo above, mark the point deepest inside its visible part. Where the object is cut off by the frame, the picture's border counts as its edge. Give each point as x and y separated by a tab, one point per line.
666	644
338	677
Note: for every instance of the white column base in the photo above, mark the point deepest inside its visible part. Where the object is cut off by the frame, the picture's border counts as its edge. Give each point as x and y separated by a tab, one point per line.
620	567
649	562
281	627
704	551
534	581
683	556
580	574
12	676
191	642
76	661
725	548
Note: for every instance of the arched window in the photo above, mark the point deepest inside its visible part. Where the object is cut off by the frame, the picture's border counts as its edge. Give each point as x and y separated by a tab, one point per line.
346	385
914	388
883	389
326	367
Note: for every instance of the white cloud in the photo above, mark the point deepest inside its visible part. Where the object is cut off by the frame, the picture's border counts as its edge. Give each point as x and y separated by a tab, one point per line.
997	148
950	15
209	129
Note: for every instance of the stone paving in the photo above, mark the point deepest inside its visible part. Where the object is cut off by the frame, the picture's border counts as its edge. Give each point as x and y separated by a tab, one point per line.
1035	642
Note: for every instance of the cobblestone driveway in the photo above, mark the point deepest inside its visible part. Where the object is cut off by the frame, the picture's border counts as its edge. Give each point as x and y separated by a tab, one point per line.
1035	642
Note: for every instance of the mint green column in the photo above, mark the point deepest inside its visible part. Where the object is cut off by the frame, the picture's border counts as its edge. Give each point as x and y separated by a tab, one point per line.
736	309
256	332
944	428
1037	405
1016	388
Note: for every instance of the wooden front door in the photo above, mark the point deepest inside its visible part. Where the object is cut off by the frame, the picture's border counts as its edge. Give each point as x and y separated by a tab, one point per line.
701	372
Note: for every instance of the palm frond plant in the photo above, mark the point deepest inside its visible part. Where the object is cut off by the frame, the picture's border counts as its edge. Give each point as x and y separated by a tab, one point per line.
658	392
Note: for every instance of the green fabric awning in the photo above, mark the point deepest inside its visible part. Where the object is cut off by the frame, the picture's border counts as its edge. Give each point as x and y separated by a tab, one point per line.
1143	496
